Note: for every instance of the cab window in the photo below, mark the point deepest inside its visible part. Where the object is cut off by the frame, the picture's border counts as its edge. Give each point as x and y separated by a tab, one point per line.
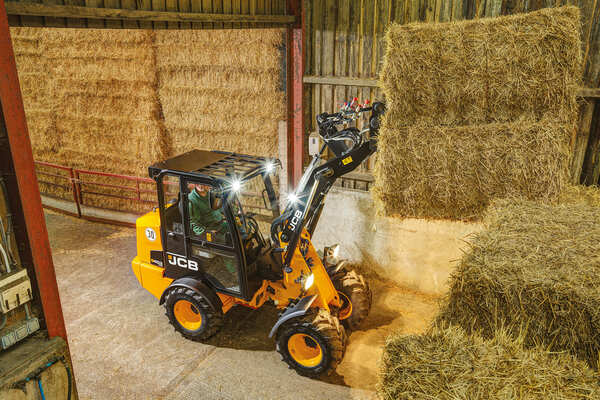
211	237
171	201
206	215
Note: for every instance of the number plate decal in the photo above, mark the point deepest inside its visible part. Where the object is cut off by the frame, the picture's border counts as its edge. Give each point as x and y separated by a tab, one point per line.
150	234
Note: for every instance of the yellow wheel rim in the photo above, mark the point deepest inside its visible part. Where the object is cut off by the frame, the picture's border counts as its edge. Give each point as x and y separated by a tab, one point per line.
346	309
305	350
187	315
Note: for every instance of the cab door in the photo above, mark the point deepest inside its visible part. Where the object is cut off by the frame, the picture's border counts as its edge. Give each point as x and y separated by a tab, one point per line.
211	242
172	227
169	200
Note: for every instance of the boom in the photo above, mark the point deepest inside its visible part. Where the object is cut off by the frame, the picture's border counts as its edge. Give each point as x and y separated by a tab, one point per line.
350	147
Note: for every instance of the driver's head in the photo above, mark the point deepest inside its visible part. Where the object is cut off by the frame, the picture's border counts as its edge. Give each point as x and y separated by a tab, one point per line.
199	188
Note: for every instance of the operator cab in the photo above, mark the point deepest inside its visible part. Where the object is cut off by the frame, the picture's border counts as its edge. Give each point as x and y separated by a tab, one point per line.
210	204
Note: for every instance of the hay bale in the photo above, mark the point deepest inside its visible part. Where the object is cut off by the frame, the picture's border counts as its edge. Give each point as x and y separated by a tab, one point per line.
117	101
221	89
477	110
454	172
448	364
91	103
534	269
488	70
580	194
87	98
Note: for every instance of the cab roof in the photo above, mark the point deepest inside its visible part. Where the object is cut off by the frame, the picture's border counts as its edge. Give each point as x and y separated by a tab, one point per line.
215	164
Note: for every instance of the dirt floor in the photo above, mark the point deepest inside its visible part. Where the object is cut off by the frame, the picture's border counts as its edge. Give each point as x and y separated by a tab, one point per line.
123	347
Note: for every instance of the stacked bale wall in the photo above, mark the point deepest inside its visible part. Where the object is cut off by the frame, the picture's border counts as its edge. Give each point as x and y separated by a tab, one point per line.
534	271
479	81
90	103
118	101
448	364
221	89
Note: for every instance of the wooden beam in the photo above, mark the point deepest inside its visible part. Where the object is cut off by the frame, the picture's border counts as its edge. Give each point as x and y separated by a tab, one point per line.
589	93
349	81
295	92
340	80
62	11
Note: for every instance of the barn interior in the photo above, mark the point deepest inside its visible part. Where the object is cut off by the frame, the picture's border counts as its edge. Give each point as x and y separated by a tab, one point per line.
474	222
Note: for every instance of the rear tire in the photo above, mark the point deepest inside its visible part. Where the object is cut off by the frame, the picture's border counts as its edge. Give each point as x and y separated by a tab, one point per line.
314	344
191	315
356	295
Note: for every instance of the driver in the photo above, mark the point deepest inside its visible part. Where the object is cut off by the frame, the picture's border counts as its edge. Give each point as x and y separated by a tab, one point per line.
204	219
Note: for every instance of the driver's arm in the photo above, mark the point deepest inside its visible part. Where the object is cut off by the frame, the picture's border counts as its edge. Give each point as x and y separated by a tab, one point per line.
195	220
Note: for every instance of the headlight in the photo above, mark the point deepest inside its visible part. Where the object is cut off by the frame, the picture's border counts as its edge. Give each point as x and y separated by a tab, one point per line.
269	167
309	281
236	186
292	198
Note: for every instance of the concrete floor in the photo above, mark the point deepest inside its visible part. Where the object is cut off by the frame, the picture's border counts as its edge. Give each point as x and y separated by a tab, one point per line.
123	347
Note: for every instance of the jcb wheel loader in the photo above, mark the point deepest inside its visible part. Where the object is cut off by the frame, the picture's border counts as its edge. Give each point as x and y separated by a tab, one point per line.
201	252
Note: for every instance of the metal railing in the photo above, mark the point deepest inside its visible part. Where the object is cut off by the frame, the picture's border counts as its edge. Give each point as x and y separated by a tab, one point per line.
84	190
73	180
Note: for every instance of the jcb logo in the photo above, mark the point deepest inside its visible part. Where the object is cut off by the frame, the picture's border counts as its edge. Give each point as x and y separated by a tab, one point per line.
295	219
182	262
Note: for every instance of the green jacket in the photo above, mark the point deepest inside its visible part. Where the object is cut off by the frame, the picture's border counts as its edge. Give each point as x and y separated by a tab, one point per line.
202	216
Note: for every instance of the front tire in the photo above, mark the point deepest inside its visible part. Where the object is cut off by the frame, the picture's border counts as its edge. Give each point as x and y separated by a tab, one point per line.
191	315
312	345
356	298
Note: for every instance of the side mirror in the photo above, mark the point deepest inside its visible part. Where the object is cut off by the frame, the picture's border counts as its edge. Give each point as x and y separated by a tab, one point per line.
216	201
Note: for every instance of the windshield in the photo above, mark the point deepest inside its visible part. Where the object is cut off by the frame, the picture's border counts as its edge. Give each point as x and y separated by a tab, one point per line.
237	211
253	201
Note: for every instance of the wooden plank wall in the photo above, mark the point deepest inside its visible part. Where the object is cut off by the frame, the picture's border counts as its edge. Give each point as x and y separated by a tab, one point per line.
345	38
240	7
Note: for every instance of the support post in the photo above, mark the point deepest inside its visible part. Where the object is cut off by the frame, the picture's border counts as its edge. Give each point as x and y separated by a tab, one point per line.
13	119
295	92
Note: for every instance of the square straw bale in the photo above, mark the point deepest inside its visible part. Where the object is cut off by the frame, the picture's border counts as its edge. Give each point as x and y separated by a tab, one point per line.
533	269
447	364
534	64
455	172
477	110
488	70
221	90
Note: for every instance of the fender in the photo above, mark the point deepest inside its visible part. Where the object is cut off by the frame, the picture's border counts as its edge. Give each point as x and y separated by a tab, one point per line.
296	311
198	287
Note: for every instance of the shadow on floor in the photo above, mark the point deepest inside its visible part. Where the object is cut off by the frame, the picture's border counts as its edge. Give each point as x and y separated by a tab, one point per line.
247	329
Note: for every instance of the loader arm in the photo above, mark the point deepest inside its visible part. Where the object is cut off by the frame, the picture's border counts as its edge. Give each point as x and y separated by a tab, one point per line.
320	176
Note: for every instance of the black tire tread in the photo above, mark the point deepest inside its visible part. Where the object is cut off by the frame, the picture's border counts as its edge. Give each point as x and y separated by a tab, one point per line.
353	285
214	319
329	328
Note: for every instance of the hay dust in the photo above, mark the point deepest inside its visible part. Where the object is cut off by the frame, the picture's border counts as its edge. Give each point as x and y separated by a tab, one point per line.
395	309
